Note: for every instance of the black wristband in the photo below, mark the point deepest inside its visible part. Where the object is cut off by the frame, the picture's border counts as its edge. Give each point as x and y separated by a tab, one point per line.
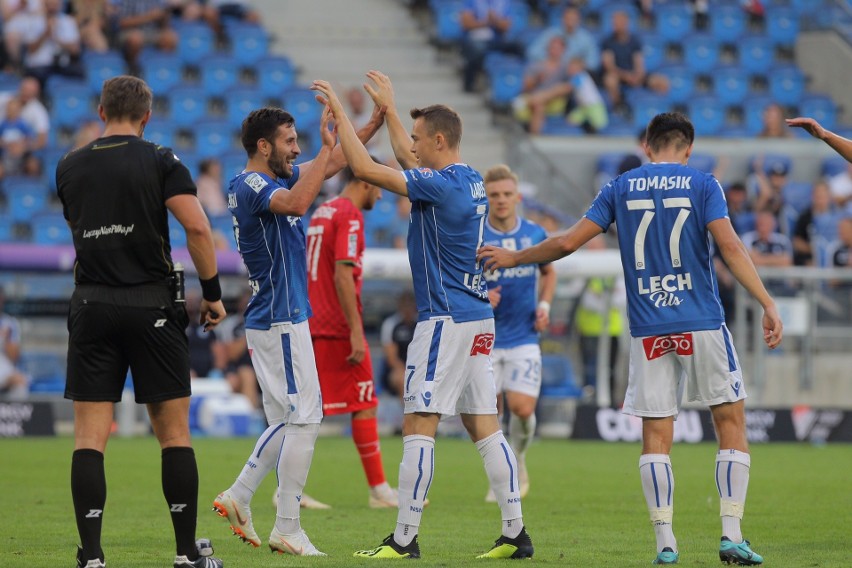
211	290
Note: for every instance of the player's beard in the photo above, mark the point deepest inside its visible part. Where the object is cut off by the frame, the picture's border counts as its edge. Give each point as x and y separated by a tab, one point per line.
279	165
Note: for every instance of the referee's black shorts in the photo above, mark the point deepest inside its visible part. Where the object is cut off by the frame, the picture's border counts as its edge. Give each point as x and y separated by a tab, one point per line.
113	329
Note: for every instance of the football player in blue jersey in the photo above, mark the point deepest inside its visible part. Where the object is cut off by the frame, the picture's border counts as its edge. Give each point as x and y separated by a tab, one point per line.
448	368
521	299
666	212
267	202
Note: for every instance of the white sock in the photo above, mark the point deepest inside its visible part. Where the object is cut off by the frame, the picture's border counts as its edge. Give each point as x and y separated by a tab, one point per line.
263	458
415	477
732	467
521	434
502	469
294	462
658	487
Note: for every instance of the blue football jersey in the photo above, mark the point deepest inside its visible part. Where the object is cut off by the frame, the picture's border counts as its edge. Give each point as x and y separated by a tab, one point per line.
448	209
272	248
662	211
514	316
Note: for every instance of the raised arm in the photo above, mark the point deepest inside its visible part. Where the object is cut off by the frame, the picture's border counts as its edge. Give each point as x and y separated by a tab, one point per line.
839	144
357	156
337	161
546	251
382	95
739	263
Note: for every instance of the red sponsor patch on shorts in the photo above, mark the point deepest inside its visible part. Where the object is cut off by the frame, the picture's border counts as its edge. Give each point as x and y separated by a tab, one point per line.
482	344
657	346
251	352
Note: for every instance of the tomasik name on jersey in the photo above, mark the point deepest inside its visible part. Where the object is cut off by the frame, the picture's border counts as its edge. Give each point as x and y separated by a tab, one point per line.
664	183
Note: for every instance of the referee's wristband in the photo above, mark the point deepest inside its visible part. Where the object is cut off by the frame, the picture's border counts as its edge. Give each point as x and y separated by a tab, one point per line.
211	290
544	306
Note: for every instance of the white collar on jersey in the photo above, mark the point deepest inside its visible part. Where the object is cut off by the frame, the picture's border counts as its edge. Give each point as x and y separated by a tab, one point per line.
511	231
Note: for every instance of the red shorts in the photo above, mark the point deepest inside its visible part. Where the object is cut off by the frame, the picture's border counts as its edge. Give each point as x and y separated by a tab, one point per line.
345	387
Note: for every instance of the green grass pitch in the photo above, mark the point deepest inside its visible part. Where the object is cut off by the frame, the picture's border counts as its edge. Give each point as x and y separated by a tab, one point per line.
585	507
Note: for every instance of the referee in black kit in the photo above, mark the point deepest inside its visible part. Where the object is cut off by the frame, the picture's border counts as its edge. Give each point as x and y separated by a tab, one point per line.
126	309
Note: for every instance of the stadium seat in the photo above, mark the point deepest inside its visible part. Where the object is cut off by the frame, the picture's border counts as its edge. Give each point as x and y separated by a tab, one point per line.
102	66
797	194
519	15
769	161
191	161
821	108
825	225
707	115
701	53
162	71
646	106
654	51
674	21
608	162
46	370
233	163
756	54
197	42
753	108
833	165
177	234
9	82
71	103
249	42
274	76
448	28
239	103
507	81
558	126
302	104
50	229
187	105
557	378
160	132
7	226
728	23
25	197
730	85
225	225
213	137
219	74
703	162
782	26
50	157
681	83
786	85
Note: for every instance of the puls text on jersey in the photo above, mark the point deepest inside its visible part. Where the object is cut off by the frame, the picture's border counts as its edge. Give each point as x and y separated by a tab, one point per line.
664	183
661	289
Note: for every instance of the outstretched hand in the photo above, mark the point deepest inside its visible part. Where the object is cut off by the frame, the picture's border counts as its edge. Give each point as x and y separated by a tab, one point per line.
328	136
328	97
382	93
810	125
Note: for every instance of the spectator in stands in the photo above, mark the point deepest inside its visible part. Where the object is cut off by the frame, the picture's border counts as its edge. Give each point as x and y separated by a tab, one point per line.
396	333
13	382
17	17
739	208
207	355
767	247
486	24
240	372
773	123
52	44
840	256
15	136
623	64
240	10
209	183
769	181
841	186
579	42
141	23
807	228
588	109
33	111
32	166
546	86
188	10
92	19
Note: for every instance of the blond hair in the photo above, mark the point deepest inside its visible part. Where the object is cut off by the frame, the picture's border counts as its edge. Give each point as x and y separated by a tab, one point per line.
500	172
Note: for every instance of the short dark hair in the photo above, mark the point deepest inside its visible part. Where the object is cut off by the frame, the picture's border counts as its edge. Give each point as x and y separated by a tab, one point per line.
669	129
443	119
262	123
347	176
126	98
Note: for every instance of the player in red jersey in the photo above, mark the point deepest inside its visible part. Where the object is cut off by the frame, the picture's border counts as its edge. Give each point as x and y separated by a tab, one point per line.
335	251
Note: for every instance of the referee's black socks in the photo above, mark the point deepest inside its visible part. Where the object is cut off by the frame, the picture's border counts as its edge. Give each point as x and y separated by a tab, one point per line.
180	487
88	490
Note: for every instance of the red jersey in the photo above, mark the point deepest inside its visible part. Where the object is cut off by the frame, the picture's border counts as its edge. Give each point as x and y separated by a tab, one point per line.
336	234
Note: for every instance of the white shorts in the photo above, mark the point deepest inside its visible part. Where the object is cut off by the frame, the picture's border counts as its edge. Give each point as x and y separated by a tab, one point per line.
283	359
448	368
518	369
705	363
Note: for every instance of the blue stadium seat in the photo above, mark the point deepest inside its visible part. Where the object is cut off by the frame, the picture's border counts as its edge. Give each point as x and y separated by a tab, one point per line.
448	28
46	370
249	42
756	53
707	115
233	163
71	103
25	197
507	81
653	51
196	43
703	162
213	138
191	160
743	222
681	83
782	26
797	194
50	157
7	233
701	53
102	66
674	21
753	108
557	378
820	107
275	75
187	105
769	161
160	132
9	81
239	103
786	85
177	234
162	71
519	14
825	225
730	85
646	106
833	165
608	162
558	126
50	229
302	104
728	23
219	74
225	225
